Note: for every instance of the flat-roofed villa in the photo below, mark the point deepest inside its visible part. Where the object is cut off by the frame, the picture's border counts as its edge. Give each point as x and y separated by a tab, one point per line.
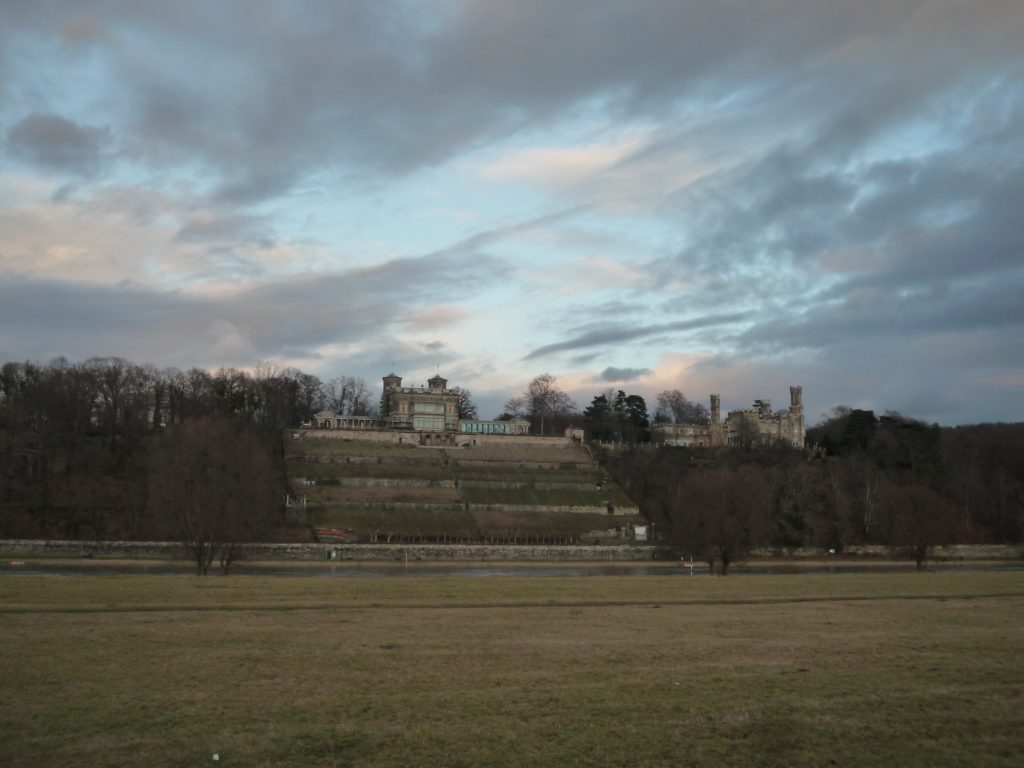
431	413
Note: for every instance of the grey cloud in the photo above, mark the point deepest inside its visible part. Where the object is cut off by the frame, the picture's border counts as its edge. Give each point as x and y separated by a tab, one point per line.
226	227
613	334
827	250
580	361
308	354
58	144
262	322
298	82
622	374
872	315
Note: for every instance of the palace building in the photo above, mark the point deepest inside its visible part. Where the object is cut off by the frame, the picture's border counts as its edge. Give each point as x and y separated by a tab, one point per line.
758	425
431	409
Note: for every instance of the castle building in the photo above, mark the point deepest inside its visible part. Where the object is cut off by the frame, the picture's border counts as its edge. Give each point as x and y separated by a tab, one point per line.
430	409
415	409
758	425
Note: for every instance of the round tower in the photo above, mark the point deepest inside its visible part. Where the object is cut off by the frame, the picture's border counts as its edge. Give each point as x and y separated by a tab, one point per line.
392	383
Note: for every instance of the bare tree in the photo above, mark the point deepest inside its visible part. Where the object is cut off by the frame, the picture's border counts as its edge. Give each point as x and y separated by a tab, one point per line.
467	408
515	408
544	400
725	513
347	396
918	519
360	397
212	485
674	408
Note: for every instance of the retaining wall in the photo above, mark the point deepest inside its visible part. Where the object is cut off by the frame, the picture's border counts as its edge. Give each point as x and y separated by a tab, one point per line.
383	482
540	485
524	552
586	510
951	552
413	438
172	550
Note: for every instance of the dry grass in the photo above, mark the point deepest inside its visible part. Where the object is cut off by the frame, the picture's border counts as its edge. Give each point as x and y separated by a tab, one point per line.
341	447
848	670
319	470
454	522
517	452
498	471
552	498
379	493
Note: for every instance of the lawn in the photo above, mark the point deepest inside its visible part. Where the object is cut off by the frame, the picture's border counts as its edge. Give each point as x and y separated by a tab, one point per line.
874	669
548	497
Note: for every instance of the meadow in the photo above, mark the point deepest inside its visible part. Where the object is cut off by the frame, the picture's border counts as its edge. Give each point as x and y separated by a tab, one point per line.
852	670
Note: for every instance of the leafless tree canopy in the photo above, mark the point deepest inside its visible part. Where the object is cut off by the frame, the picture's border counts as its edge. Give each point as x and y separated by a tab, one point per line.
545	403
212	484
467	408
674	408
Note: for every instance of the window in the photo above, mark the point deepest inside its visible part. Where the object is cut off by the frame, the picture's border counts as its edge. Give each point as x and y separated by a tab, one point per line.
428	423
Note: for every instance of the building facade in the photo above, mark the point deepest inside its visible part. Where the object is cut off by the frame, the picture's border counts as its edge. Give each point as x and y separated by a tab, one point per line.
757	425
418	409
430	409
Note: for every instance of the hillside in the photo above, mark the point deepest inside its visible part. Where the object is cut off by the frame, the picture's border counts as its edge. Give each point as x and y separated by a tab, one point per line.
500	490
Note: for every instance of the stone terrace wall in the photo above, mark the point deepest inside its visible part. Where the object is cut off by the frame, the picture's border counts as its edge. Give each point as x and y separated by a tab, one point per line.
523	553
413	438
168	550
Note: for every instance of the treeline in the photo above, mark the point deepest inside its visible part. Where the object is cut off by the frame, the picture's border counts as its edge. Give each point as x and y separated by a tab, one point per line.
76	438
614	416
887	480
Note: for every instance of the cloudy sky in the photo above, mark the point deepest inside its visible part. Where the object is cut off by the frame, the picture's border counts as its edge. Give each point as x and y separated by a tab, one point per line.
728	197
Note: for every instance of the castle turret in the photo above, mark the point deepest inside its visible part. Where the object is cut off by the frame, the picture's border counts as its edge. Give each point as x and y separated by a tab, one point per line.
437	384
392	383
796	399
796	410
716	420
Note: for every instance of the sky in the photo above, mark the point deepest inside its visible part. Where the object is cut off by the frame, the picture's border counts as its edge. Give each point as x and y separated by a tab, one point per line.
668	194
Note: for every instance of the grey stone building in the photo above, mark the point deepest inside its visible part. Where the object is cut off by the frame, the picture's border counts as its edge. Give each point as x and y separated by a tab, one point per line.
757	425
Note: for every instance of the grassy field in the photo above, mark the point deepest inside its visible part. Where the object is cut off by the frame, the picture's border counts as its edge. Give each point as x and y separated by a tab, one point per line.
456	522
318	470
859	670
547	497
379	493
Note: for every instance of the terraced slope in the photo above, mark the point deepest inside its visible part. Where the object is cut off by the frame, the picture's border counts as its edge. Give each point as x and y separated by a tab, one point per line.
498	491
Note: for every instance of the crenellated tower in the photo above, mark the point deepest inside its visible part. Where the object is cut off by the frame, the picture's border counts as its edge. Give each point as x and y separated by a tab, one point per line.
796	410
716	420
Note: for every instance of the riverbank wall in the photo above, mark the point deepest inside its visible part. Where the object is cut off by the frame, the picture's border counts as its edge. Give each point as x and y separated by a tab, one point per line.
169	550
